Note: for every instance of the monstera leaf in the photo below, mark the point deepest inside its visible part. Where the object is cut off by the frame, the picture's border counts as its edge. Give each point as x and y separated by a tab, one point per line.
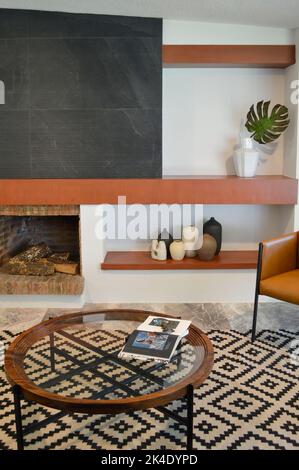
265	128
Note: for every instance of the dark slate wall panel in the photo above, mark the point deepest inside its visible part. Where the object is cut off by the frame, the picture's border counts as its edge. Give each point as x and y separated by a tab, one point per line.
83	96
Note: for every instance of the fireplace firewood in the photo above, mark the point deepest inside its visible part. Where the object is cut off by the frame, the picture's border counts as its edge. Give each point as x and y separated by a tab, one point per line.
33	253
68	267
31	268
59	257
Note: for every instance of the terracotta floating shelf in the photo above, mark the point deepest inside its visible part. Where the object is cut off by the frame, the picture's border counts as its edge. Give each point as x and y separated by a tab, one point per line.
173	189
264	56
141	260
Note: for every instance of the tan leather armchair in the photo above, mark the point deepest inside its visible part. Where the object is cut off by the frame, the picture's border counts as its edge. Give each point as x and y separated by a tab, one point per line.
277	271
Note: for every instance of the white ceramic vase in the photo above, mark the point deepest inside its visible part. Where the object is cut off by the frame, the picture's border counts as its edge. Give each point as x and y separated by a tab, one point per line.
246	159
177	250
191	240
159	250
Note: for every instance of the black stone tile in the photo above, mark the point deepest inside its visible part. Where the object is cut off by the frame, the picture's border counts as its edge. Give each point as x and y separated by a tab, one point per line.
96	144
63	25
140	60
15	159
94	73
13	24
14	73
83	95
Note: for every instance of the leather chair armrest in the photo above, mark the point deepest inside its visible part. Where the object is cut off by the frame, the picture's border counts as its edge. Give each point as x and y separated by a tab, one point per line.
279	255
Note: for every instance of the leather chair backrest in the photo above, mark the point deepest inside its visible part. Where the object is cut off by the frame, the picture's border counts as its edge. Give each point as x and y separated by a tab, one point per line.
280	255
298	250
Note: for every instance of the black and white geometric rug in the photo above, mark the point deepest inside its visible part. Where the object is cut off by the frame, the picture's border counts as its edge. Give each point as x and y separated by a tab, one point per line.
249	401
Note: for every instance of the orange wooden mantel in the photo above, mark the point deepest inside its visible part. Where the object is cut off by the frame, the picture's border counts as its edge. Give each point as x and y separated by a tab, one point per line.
141	260
182	190
264	56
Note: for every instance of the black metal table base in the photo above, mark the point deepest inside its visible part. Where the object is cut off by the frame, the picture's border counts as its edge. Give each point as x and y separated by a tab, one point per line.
92	367
21	432
18	416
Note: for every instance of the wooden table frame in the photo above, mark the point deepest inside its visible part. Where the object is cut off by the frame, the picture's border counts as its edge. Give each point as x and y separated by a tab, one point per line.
24	389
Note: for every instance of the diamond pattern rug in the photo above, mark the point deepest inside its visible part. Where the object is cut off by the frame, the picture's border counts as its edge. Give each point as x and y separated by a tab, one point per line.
250	401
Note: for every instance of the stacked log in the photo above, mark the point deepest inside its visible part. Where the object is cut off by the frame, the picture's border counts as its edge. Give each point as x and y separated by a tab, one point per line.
59	257
63	264
37	260
33	253
67	267
30	268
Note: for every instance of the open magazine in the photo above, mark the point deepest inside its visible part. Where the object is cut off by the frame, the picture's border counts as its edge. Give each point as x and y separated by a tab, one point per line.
155	339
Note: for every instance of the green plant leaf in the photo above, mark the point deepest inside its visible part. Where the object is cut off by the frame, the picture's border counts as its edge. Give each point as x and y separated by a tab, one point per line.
264	128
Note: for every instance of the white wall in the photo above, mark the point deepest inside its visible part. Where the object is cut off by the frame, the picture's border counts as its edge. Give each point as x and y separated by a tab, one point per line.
202	113
178	286
204	107
155	286
195	32
291	150
244	226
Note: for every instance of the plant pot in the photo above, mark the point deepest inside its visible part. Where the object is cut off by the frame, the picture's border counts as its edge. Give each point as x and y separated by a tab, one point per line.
246	163
246	159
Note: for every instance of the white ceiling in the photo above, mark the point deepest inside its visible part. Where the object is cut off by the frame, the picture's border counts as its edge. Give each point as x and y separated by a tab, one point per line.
280	13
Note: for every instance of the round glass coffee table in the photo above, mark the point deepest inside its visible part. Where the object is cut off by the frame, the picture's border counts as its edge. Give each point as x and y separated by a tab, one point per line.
70	363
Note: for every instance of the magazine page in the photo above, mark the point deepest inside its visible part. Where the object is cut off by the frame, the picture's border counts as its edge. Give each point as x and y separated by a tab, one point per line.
173	326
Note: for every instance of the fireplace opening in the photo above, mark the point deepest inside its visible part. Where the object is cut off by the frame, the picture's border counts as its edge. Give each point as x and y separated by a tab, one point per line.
40	254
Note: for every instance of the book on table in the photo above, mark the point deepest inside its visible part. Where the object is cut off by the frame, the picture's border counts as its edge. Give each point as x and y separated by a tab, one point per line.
157	338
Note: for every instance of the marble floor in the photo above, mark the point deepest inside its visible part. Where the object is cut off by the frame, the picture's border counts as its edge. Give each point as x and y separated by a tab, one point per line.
272	315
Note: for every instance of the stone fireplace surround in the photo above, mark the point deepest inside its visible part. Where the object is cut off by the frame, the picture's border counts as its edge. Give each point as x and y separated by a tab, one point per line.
58	227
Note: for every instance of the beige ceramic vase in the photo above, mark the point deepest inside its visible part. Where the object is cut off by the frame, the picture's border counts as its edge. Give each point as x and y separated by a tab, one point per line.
208	249
177	250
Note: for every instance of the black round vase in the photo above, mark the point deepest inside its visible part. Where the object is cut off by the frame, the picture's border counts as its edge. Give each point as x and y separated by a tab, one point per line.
214	228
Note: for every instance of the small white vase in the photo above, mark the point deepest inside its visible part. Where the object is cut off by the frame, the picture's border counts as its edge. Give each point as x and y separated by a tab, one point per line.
191	240
159	251
246	159
177	250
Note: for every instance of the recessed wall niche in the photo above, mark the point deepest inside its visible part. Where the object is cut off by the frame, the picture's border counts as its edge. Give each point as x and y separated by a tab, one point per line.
83	96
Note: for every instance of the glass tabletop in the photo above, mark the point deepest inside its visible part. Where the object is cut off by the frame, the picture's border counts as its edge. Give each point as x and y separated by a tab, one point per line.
79	359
